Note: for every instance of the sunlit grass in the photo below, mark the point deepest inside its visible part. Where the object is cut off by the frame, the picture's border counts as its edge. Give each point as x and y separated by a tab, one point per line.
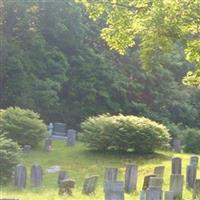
80	163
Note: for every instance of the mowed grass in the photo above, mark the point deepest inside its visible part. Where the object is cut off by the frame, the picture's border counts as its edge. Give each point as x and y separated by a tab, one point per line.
81	163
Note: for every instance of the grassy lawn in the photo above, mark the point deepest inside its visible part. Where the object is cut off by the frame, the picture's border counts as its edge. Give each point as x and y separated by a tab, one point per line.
80	163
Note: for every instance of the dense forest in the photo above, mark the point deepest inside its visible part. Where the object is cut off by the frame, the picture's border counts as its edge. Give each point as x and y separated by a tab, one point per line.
54	62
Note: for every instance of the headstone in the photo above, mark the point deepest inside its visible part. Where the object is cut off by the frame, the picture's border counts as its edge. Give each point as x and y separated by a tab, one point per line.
62	176
196	189
146	181
27	148
50	128
48	145
111	174
143	195
176	145
155	182
154	194
176	185
114	190
176	165
131	177
66	186
20	177
159	171
71	137
59	129
194	160
36	176
191	175
169	195
90	184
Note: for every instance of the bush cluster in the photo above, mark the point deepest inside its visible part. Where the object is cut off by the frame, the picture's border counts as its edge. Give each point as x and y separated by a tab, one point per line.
23	126
124	133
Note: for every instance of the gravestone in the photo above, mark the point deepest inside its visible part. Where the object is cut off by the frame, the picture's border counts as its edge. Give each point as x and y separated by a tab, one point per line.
154	194
194	160
71	137
176	145
169	195
159	171
155	182
191	175
59	131
48	145
176	165
176	185
27	148
131	177
66	186
111	174
114	190
20	176
90	184
36	176
50	128
196	189
62	175
146	181
143	195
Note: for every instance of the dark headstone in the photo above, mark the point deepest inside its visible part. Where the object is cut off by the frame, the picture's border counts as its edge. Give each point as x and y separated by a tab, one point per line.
176	185
191	175
20	177
36	176
146	181
111	174
71	137
114	190
176	165
66	186
59	129
131	177
155	182
194	160
90	184
62	176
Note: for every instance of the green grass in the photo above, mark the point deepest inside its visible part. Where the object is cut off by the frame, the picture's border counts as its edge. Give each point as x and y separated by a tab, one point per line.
80	163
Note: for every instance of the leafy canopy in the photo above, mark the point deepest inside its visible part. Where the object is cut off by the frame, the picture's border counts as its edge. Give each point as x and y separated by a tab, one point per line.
158	24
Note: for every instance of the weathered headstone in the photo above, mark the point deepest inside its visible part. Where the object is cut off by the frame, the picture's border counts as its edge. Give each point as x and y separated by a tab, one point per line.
146	181
131	177
169	195
90	184
196	189
59	129
155	182
48	145
36	176
66	186
154	194
114	190
176	145
27	148
176	185
159	171
194	160
71	137
176	165
191	175
111	174
62	175
20	177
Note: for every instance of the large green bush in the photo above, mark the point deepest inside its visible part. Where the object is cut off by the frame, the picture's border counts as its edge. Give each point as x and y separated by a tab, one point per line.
124	133
191	140
23	126
9	158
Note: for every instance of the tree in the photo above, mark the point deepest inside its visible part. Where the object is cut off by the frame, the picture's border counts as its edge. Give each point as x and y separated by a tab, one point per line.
158	24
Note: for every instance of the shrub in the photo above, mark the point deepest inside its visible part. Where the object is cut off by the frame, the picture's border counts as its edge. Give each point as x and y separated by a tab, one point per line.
123	133
22	126
191	140
9	158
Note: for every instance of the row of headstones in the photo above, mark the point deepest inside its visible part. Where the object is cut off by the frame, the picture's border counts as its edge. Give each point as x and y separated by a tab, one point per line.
114	190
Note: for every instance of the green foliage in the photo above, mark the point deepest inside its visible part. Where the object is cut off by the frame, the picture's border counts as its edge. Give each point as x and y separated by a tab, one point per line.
9	158
191	140
23	126
124	133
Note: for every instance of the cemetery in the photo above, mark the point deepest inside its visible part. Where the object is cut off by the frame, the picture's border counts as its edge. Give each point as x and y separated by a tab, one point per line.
99	100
